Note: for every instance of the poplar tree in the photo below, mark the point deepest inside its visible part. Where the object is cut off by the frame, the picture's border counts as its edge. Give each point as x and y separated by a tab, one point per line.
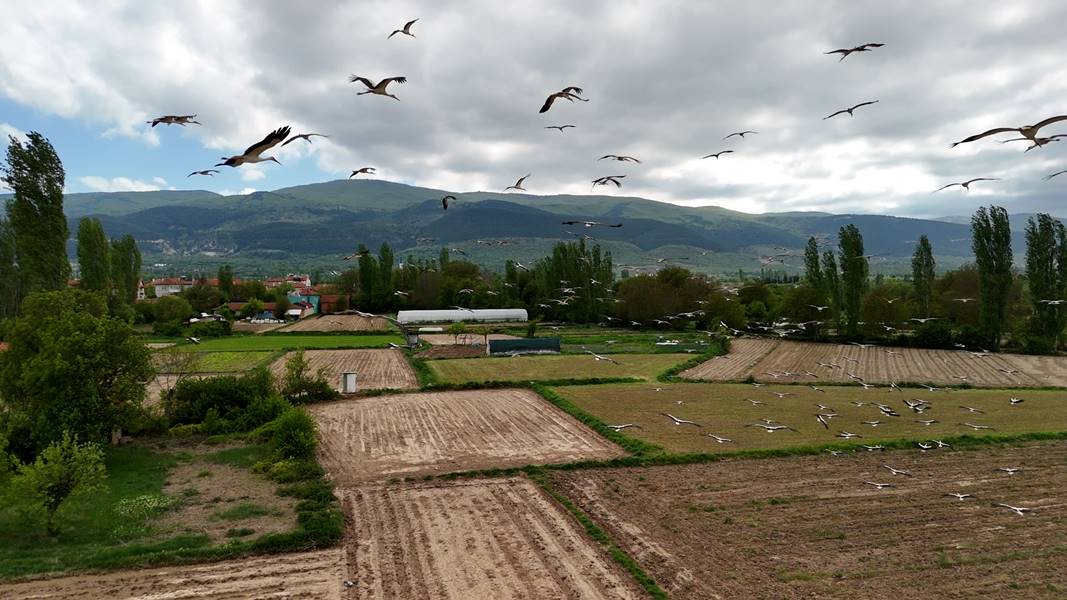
991	241
812	273
1046	273
922	274
125	268
854	272
94	256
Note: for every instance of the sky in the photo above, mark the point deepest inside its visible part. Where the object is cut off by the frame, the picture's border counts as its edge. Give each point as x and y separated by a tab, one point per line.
666	80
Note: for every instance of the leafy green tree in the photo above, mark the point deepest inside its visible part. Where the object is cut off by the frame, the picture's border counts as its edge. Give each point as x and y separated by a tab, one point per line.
71	367
383	288
831	287
252	308
1046	274
798	305
301	384
922	274
854	272
9	272
226	281
812	271
281	305
991	241
368	277
575	270
94	256
35	175
248	290
202	297
63	469
173	309
125	268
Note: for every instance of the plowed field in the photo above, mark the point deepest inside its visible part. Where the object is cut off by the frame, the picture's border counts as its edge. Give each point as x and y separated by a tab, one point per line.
881	364
367	439
494	539
811	528
313	575
338	323
374	369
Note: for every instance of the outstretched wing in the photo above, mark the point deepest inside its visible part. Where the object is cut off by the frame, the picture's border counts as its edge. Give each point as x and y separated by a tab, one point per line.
389	80
1050	121
548	103
572	90
944	187
521	179
407	26
984	134
830	116
273	139
363	80
864	104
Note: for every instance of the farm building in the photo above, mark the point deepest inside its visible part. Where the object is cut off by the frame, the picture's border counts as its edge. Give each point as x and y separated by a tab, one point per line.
484	315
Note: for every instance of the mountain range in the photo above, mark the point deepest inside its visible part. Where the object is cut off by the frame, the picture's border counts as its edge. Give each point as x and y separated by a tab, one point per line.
311	226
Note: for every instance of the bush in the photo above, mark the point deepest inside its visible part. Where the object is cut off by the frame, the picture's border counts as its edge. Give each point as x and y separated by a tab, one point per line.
293	435
172	309
63	469
301	386
933	334
191	399
531	329
261	410
971	337
211	329
167	328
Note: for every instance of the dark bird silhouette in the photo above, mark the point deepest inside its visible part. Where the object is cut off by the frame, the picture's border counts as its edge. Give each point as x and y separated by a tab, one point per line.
1027	131
208	172
253	154
362	171
182	120
559	127
608	179
619	158
444	201
717	154
965	184
849	110
377	88
304	136
571	93
739	134
1047	177
406	30
844	52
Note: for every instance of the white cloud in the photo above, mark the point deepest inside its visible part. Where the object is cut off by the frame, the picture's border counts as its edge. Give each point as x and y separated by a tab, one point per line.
244	192
7	131
251	173
116	184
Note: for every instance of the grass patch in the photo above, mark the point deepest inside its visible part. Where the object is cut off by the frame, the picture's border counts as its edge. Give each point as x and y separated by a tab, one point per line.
551	367
243	456
240	532
295	341
634	446
232	362
245	510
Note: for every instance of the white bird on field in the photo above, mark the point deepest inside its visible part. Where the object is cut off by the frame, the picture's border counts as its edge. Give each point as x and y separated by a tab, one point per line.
879	485
624	426
848	435
960	497
719	439
770	428
377	88
1019	510
976	427
1010	470
600	357
897	471
678	421
253	154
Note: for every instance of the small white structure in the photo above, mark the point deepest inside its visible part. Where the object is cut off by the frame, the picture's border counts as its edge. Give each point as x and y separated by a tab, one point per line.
478	315
348	383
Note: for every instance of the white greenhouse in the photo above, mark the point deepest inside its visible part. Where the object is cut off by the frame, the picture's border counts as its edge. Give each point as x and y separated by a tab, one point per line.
478	315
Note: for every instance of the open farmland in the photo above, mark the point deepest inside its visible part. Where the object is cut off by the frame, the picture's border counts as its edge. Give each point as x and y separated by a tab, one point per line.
273	342
724	409
374	369
466	339
744	354
313	575
809	527
883	364
366	439
549	367
500	538
336	323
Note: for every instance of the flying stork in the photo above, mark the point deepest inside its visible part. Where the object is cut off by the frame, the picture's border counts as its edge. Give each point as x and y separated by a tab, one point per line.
1027	131
740	134
304	136
208	172
849	110
965	184
174	120
571	93
717	154
362	171
377	88
444	205
619	158
406	30
608	179
559	127
844	52
254	152
518	184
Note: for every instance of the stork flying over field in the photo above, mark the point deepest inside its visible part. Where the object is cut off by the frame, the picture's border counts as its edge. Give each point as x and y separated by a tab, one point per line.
1027	131
518	184
182	120
600	357
590	223
608	179
377	88
362	171
678	421
849	110
844	52
571	93
254	152
406	30
304	136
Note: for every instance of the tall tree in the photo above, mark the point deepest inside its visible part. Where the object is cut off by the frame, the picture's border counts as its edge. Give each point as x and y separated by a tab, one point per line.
94	256
1046	273
9	272
367	278
991	240
922	274
812	273
35	174
832	284
226	281
854	272
125	268
384	286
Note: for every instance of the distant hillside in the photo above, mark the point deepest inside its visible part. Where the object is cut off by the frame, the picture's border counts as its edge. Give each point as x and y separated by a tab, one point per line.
316	223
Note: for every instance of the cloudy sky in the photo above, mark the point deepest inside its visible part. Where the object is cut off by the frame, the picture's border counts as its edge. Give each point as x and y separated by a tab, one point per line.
666	80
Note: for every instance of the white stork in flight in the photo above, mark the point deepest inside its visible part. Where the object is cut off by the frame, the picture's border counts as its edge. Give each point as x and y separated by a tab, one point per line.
406	30
518	184
571	93
608	179
207	172
377	88
844	52
174	120
254	152
965	184
1027	131
362	171
849	110
303	136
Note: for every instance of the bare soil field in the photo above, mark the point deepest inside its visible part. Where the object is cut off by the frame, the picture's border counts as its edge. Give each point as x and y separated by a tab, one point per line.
499	539
883	364
328	323
736	411
314	575
367	439
467	339
809	527
246	327
453	351
744	354
375	369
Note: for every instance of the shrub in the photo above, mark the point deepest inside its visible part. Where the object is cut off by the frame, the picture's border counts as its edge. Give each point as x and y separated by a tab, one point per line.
531	329
191	399
63	469
172	309
301	386
261	410
167	328
211	329
293	435
934	334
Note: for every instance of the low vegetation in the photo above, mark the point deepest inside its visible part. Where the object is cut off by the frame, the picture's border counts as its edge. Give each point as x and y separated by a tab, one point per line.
551	367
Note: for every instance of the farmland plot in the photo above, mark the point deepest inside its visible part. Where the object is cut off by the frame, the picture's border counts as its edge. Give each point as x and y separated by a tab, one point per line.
312	575
332	323
374	369
548	367
744	354
500	538
366	439
809	527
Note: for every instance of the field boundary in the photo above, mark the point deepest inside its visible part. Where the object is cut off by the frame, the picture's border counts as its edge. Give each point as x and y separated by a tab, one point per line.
634	446
600	536
720	348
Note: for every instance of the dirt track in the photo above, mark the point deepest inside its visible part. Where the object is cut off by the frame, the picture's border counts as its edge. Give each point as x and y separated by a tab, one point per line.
338	323
877	365
810	528
498	539
375	369
367	439
316	575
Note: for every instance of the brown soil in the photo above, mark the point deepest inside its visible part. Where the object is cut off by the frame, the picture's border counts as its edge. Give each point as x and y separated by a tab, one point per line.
338	323
245	327
224	488
744	354
467	339
809	527
375	369
367	439
314	575
453	352
877	365
499	539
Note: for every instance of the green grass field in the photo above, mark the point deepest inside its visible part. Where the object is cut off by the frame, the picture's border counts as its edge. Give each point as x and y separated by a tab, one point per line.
232	362
723	409
244	343
551	367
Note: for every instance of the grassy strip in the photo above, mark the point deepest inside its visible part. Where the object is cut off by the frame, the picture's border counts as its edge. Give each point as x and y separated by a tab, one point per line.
717	347
632	445
618	554
426	375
